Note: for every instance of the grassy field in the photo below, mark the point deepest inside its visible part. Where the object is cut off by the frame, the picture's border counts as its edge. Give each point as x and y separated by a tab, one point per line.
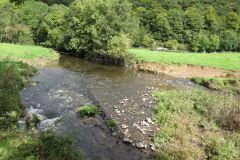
23	52
228	61
196	124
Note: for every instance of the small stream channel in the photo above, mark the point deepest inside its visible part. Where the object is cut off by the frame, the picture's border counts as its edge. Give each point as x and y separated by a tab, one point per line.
118	92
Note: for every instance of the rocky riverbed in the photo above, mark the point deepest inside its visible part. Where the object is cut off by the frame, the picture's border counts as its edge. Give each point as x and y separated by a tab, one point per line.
123	95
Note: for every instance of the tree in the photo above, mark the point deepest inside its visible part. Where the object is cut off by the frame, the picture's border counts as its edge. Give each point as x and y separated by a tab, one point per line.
51	30
211	19
194	19
31	12
200	42
92	24
214	43
232	21
176	18
229	40
161	28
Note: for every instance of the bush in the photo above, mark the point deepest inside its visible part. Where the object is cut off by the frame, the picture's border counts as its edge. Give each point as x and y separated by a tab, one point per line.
200	42
172	44
88	110
13	77
111	123
229	40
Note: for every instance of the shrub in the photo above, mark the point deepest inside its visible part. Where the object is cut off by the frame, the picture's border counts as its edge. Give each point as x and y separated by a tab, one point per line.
13	77
172	44
111	123
88	110
229	40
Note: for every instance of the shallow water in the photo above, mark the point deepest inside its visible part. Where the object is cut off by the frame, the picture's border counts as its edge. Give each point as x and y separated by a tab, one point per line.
75	82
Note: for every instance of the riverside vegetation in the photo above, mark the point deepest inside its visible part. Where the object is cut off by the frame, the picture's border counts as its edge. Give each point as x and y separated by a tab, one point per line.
194	124
17	144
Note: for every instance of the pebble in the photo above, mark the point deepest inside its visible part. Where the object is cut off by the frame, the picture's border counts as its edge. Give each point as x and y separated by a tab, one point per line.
114	134
124	126
127	140
140	145
149	120
144	123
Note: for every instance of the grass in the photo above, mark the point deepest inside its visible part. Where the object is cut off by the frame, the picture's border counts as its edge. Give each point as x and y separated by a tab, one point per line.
196	124
13	77
24	52
111	123
34	145
221	84
228	61
88	110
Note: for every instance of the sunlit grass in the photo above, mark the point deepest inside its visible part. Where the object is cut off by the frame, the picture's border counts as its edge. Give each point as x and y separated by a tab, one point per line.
24	52
228	61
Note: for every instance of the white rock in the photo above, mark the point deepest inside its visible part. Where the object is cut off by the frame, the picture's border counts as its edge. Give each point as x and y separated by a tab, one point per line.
124	126
140	145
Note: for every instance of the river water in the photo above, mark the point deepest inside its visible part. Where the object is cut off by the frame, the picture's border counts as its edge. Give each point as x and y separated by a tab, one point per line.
73	82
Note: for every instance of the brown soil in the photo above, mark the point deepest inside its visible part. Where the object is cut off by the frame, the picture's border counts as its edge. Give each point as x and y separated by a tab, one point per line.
38	62
186	71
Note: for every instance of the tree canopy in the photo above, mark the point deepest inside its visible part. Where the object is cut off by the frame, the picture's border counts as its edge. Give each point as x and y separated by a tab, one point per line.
87	26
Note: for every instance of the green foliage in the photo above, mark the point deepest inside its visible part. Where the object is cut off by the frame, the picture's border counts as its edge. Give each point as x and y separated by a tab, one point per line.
223	84
186	118
111	123
214	43
13	77
11	31
183	21
31	12
232	21
194	19
172	44
229	40
88	110
217	147
51	30
200	42
32	145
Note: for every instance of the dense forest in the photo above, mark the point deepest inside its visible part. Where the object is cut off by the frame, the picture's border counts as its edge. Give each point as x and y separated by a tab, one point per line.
107	28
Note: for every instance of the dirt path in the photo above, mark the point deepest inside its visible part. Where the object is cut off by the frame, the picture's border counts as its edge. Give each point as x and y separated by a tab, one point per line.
187	71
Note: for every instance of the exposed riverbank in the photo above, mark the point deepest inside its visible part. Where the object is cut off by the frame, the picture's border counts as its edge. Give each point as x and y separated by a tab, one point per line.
121	94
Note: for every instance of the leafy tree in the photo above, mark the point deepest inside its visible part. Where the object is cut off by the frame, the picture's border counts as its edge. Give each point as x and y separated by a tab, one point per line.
214	43
211	19
200	42
31	12
161	28
172	44
232	21
229	40
93	24
51	30
194	19
176	19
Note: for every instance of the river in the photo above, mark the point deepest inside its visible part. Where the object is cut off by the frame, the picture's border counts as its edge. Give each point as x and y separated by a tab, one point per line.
121	94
